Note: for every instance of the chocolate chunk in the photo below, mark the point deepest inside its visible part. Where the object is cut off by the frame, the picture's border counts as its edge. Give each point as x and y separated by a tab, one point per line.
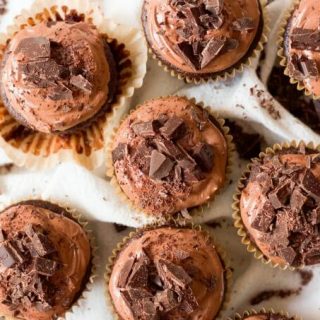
174	128
139	275
214	6
7	257
46	70
203	153
141	156
311	184
294	68
2	237
315	216
187	164
60	92
209	21
281	232
303	67
309	68
189	303
305	39
145	129
243	24
160	165
186	51
138	294
127	300
13	248
167	147
167	299
297	200
173	273
264	216
125	272
149	310
33	48
177	173
45	267
120	152
288	254
211	50
81	83
279	197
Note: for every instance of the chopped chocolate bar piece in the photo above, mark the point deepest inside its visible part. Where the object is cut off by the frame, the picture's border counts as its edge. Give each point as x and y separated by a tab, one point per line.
11	245
311	184
60	92
149	310
309	67
305	39
186	51
145	129
160	165
297	200
264	217
243	24
187	164
174	128
167	147
44	266
294	68
315	216
288	254
125	272
137	294
203	153
211	50
189	303
120	152
82	83
33	48
139	275
46	70
167	299
214	6
7	258
280	195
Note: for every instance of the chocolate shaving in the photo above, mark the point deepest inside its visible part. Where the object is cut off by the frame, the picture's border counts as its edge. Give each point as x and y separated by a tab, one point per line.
243	24
305	39
174	128
212	50
81	83
145	129
120	152
33	48
203	153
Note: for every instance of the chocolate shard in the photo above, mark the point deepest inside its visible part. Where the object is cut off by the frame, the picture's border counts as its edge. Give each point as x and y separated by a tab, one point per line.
214	6
189	303
167	147
243	24
149	310
34	48
203	153
173	273
2	237
177	173
187	164
297	200
46	70
311	184
309	68
141	156
186	51
167	299
45	267
209	21
212	50
145	129
125	272
315	216
279	197
294	68
193	176
174	128
264	217
305	39
137	294
139	275
120	152
81	83
288	254
60	92
13	247
160	165
7	257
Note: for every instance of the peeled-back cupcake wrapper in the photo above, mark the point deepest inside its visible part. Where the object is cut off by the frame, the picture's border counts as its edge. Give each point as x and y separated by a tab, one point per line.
38	150
232	72
282	55
252	312
92	273
195	212
238	223
221	252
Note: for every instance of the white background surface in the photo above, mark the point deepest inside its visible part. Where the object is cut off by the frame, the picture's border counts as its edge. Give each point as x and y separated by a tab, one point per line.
92	195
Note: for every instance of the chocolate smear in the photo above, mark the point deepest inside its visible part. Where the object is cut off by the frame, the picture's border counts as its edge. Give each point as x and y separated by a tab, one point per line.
45	267
120	152
243	24
34	48
145	129
160	165
212	50
203	153
81	83
174	128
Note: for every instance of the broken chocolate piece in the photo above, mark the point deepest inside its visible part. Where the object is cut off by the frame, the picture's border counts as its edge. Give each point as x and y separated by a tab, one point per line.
297	200
177	173
243	24
315	216
149	310
44	266
305	39
186	51
264	217
187	164
214	6
167	299
81	83
33	48
137	294
46	70
139	275
120	152
60	92
309	68
288	254
203	153
167	147
2	237
279	197
211	50
174	128
311	184
125	272
145	129
160	165
189	303
7	257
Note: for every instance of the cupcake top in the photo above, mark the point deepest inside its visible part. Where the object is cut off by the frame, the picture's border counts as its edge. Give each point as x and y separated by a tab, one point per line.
280	206
169	155
303	45
267	316
55	75
168	273
201	36
44	259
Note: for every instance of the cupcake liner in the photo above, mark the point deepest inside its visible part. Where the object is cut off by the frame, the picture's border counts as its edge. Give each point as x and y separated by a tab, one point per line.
233	71
253	312
242	232
282	55
221	252
37	150
77	217
195	212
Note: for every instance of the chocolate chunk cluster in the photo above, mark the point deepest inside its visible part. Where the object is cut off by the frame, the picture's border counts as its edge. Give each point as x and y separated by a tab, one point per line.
195	19
288	214
160	155
153	289
27	262
44	63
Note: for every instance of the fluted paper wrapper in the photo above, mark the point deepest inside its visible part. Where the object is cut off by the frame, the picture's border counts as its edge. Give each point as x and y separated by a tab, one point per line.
194	212
92	269
231	72
37	150
252	312
221	252
238	223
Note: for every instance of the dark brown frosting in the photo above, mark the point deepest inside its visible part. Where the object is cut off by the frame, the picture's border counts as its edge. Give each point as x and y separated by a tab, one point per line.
303	45
169	155
56	76
168	273
44	261
280	206
201	36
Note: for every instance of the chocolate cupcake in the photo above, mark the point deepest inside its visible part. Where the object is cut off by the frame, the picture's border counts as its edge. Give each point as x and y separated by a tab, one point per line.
58	76
167	273
45	261
264	315
202	39
279	204
169	155
301	45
